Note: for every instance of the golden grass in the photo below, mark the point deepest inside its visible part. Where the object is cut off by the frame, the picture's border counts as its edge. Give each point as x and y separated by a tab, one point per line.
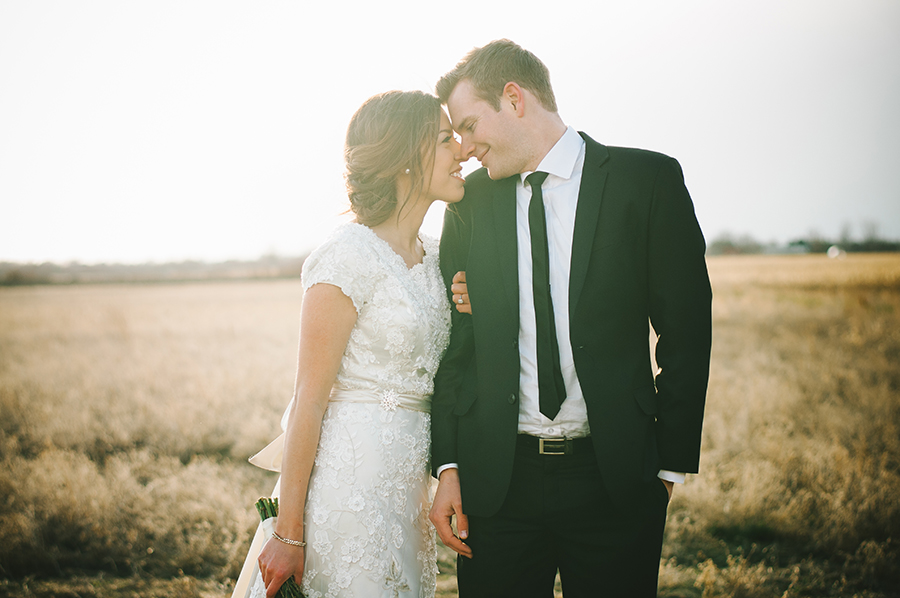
127	414
800	470
809	271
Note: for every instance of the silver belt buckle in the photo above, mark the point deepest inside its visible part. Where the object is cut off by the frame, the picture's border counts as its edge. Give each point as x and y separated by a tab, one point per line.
554	446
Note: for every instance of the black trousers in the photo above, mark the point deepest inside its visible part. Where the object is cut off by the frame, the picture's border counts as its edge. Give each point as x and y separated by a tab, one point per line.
558	516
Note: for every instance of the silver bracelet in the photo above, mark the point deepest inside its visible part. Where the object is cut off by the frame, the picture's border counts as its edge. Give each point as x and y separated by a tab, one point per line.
288	540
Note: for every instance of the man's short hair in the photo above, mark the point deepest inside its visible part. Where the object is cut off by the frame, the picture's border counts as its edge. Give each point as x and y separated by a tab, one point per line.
491	67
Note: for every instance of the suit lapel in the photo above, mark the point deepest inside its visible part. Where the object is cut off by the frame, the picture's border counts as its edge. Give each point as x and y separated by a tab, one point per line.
587	214
505	239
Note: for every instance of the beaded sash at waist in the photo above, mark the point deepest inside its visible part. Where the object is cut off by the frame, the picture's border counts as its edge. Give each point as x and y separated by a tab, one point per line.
388	399
270	457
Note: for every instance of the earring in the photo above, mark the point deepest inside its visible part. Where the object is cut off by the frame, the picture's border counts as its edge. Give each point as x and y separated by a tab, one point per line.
407	171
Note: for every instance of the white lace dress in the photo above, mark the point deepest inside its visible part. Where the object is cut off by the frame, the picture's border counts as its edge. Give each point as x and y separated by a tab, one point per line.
366	520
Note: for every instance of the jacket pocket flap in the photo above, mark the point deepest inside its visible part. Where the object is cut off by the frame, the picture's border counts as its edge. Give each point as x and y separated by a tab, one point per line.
647	399
464	402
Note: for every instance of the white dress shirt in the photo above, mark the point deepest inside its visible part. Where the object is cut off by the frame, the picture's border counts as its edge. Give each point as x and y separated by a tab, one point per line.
564	164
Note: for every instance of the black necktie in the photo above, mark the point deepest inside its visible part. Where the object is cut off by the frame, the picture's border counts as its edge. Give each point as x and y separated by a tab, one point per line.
552	389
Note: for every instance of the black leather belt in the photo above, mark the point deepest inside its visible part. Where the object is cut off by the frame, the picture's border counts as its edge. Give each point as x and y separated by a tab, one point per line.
554	446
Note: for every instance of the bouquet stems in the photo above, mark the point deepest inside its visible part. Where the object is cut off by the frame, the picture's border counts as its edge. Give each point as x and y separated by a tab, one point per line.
267	508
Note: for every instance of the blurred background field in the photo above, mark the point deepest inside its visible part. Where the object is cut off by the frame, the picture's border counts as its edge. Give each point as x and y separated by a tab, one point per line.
127	413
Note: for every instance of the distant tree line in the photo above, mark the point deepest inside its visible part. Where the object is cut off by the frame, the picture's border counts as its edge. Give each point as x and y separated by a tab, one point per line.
270	266
728	244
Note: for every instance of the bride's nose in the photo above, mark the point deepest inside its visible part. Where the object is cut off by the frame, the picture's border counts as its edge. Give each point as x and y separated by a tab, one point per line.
458	153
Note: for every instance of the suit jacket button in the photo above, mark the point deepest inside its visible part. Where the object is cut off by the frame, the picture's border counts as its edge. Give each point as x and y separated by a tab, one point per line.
512	398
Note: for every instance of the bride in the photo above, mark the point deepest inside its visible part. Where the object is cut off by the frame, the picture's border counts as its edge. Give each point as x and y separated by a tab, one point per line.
374	323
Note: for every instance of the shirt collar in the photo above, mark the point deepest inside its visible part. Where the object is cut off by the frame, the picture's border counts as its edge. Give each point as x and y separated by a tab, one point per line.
560	161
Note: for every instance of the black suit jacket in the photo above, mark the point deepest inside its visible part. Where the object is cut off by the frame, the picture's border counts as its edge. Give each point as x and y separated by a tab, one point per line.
637	253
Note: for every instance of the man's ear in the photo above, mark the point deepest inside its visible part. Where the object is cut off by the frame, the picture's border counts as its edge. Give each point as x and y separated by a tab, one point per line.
514	97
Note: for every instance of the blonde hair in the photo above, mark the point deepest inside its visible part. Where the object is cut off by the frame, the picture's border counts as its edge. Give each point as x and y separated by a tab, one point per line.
491	67
390	133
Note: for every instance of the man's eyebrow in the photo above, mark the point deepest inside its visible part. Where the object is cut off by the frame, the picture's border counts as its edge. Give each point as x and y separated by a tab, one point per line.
465	123
448	131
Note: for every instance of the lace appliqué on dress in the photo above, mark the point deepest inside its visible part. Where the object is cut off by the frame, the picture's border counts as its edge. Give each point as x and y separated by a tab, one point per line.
403	326
366	517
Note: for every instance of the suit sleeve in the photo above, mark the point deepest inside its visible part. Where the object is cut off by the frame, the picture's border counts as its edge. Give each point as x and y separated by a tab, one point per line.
681	314
456	361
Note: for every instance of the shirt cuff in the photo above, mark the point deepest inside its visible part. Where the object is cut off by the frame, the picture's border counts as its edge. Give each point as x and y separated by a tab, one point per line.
664	474
442	468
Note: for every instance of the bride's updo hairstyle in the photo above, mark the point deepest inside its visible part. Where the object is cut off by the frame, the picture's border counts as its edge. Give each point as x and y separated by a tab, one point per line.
390	133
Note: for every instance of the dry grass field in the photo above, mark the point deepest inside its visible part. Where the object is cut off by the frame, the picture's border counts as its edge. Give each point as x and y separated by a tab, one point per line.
127	413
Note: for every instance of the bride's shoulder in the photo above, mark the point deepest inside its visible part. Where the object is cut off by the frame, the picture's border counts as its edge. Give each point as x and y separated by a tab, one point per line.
344	260
348	238
350	232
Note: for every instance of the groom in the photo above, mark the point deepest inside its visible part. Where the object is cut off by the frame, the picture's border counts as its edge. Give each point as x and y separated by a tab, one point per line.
555	444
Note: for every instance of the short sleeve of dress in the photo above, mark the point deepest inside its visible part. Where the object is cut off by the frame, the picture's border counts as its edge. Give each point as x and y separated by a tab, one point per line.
344	261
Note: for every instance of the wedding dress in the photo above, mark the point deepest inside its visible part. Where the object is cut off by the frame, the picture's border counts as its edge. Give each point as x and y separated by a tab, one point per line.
366	519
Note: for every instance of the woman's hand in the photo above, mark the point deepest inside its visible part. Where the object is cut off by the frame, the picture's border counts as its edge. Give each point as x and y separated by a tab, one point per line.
278	562
461	293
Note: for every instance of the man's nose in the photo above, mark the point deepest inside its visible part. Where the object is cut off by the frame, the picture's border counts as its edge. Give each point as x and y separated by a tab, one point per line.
466	150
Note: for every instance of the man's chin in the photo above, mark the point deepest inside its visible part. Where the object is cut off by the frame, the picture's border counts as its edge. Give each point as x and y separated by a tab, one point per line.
495	174
498	171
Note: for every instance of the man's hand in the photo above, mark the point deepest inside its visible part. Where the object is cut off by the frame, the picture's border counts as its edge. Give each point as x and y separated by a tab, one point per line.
448	502
461	293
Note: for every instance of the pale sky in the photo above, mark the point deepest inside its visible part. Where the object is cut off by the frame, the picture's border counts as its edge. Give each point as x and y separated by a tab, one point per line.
168	130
